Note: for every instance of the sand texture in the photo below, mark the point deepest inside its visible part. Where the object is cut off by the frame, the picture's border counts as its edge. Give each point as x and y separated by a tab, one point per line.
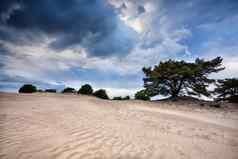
50	126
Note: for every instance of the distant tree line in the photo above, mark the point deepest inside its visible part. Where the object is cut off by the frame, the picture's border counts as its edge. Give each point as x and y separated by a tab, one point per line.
179	78
85	90
170	78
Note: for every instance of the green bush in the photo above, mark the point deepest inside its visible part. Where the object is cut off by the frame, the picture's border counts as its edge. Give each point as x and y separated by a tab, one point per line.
121	98
69	90
101	93
142	95
86	89
117	98
27	88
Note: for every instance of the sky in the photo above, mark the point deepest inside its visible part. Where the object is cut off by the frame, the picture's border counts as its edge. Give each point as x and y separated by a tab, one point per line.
67	43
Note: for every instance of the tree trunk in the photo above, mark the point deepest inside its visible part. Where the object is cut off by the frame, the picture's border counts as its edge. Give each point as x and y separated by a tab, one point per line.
176	90
174	96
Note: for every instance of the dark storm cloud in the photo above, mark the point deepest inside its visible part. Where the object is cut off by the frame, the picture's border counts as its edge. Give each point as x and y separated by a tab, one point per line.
71	22
5	5
64	16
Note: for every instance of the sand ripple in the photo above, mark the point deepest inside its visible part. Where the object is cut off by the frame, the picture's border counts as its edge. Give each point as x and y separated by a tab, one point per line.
79	127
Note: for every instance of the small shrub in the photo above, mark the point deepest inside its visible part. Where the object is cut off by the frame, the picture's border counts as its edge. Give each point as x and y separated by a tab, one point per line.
51	90
27	88
69	90
122	98
142	95
117	98
101	93
86	89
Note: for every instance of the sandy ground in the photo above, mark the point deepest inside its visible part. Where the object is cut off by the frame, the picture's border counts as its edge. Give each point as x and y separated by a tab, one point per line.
49	126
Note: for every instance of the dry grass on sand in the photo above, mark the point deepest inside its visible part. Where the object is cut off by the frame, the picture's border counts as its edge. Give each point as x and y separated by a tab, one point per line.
50	126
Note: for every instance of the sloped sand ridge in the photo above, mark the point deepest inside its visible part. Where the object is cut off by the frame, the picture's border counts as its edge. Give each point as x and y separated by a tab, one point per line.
42	126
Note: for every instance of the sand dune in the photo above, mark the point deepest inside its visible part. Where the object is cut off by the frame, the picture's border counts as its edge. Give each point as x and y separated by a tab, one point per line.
42	126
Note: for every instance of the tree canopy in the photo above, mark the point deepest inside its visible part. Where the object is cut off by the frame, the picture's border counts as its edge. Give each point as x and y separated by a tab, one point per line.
69	90
86	89
176	78
27	88
101	93
227	89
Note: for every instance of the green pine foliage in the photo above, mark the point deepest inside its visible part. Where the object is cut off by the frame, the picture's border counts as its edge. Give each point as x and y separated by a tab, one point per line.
227	89
176	78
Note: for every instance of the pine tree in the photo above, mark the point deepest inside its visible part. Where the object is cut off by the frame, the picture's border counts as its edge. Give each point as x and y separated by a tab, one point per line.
176	78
